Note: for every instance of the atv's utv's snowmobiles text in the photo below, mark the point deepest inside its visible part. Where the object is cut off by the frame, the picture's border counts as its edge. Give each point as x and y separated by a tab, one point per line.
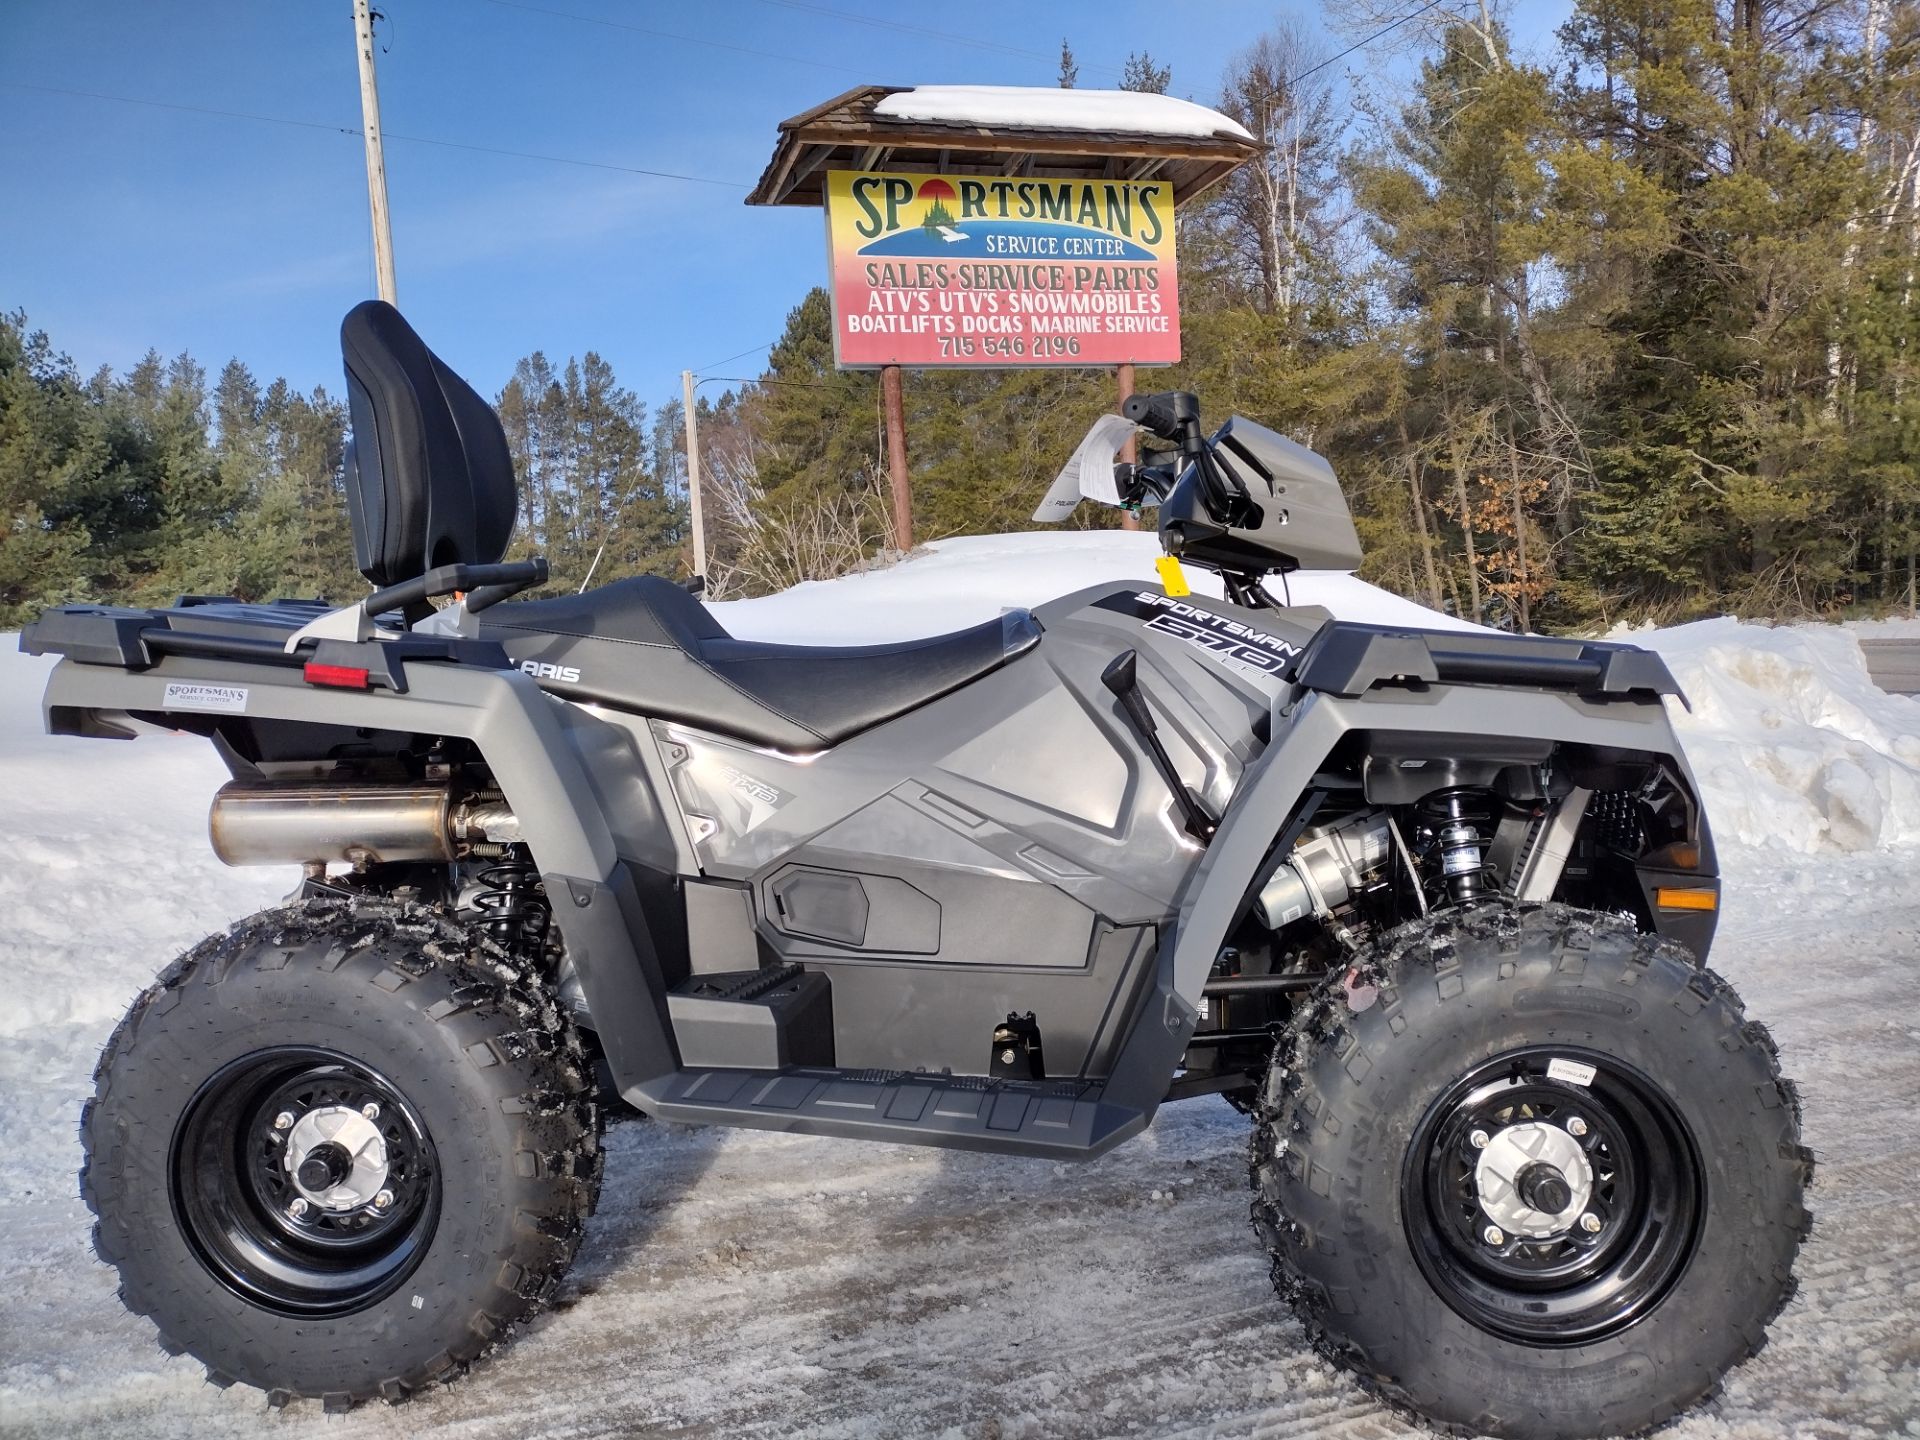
1432	907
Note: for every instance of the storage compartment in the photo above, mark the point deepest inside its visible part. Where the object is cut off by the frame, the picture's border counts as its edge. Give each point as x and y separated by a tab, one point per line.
754	1019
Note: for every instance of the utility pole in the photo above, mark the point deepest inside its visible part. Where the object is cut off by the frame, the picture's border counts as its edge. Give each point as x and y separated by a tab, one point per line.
376	159
902	491
693	475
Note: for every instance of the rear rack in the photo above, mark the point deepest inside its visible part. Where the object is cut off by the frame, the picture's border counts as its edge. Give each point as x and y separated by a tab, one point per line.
205	628
1347	659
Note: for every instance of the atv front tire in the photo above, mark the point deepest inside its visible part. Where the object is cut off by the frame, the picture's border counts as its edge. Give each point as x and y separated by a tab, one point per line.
339	1150
1532	1174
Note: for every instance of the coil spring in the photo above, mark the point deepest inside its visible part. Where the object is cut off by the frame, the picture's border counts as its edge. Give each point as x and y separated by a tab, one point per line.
1459	820
513	906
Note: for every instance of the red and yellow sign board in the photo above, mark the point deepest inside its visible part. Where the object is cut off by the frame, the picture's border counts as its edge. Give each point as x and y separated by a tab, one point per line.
983	270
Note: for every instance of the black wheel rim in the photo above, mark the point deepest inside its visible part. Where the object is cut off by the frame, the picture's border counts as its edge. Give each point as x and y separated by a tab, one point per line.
257	1229
1636	1225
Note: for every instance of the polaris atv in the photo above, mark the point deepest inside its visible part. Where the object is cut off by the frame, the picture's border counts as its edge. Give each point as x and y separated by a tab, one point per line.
1430	906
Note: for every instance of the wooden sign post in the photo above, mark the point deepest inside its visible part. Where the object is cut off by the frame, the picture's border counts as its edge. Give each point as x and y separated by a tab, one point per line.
899	488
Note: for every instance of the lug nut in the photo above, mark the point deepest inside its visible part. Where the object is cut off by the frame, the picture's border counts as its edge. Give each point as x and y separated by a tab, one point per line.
1576	1127
372	1112
1479	1140
298	1209
383	1201
1590	1223
284	1120
1494	1235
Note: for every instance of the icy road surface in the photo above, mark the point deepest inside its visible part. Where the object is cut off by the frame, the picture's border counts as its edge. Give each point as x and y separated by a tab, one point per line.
736	1284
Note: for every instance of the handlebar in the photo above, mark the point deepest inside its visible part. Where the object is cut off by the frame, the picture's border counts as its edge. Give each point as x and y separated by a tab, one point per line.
1175	415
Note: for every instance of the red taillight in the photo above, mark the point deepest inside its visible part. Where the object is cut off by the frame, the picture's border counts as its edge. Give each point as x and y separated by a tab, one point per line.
346	677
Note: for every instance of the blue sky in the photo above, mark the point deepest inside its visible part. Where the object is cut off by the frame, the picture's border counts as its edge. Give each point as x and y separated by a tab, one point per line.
124	226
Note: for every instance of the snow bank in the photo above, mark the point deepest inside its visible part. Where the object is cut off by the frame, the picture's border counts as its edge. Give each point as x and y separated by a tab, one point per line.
108	874
1795	746
952	583
1124	112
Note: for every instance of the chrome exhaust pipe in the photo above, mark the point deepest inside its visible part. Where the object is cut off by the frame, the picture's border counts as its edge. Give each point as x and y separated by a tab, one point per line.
366	824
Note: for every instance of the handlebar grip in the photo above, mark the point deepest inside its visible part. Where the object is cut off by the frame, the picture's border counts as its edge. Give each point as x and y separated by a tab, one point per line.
1152	412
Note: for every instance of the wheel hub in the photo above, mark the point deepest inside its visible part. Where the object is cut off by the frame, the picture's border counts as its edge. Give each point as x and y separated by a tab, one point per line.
1524	1170
337	1158
1549	1210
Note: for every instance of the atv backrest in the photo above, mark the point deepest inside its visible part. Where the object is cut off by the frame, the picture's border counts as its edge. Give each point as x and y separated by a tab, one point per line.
429	477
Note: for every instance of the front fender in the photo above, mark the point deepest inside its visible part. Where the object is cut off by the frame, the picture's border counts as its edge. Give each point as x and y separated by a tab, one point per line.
1305	735
1305	731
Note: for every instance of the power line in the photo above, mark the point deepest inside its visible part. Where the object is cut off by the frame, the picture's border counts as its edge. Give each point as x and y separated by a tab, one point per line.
714	365
190	109
389	134
672	35
567	160
1366	41
763	380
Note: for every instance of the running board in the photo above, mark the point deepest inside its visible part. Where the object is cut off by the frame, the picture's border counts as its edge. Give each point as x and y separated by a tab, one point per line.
1052	1119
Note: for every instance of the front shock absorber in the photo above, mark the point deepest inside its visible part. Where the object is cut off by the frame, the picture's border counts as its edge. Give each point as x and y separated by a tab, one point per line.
513	905
1457	822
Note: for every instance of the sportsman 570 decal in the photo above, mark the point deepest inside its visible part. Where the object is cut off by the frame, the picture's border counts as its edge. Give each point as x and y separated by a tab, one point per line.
1240	646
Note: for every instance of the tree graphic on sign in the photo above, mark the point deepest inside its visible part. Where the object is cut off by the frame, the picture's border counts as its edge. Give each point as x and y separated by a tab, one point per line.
936	193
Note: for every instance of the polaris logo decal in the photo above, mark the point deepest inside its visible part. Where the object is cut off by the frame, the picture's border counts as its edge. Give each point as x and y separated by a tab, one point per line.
1234	644
541	670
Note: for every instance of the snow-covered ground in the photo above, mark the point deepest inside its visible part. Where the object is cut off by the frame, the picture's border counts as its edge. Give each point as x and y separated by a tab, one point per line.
739	1284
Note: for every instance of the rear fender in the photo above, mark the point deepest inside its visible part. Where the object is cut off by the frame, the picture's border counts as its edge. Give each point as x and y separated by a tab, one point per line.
516	728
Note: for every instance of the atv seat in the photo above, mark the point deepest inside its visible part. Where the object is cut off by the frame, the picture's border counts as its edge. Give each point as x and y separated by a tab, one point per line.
430	482
648	646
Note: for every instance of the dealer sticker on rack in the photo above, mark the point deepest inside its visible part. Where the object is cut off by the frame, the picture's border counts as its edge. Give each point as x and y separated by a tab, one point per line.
229	699
1571	1071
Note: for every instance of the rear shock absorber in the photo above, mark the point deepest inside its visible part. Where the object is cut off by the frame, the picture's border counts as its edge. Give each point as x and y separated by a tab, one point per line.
513	905
1458	821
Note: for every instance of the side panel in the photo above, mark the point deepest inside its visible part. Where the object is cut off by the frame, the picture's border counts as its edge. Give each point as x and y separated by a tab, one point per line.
1007	848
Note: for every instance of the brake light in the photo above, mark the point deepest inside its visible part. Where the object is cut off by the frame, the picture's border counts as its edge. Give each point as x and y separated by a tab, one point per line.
344	677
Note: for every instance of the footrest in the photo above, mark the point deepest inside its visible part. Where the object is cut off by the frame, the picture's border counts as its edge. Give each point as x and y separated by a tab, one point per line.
1061	1119
754	1019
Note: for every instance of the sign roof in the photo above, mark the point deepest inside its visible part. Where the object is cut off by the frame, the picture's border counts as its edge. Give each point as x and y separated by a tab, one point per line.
994	130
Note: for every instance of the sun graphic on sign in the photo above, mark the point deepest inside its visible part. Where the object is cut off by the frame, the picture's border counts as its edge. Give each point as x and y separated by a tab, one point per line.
936	193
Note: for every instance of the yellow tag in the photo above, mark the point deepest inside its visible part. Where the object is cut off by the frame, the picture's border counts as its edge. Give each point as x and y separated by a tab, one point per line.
1173	580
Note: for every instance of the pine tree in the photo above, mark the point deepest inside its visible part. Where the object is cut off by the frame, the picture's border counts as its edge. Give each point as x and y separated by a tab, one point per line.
1143	75
53	454
1069	67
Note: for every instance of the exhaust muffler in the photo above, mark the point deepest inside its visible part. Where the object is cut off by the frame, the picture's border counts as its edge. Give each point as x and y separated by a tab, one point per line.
350	824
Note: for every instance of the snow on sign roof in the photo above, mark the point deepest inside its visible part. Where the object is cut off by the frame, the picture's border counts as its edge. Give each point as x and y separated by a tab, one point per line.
1108	112
1039	134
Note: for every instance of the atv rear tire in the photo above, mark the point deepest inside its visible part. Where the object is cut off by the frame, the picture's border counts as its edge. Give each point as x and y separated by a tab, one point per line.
446	1115
1641	1263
